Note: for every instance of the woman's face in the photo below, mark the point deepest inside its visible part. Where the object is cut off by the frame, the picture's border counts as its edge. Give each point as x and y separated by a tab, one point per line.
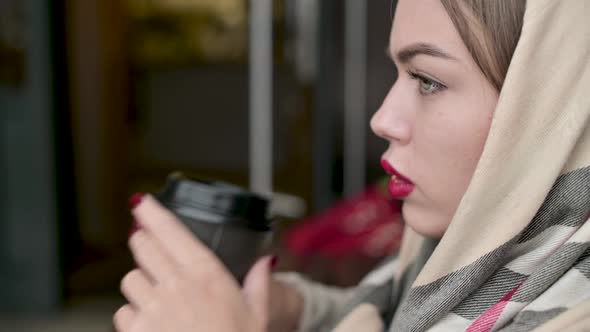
436	117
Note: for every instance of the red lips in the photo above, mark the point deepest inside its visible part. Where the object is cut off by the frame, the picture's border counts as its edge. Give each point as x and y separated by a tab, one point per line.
399	186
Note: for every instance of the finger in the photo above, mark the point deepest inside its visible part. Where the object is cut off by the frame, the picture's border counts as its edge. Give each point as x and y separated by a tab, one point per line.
256	288
123	318
137	288
151	257
178	241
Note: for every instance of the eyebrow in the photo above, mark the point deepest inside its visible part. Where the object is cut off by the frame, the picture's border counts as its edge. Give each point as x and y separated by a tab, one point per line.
409	52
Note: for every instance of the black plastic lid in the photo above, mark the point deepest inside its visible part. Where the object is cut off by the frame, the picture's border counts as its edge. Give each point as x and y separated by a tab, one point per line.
216	197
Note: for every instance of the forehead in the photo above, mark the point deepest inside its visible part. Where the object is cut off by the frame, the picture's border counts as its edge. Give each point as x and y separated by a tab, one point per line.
425	21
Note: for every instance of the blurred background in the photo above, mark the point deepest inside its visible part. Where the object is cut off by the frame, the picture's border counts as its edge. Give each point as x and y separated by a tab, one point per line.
103	98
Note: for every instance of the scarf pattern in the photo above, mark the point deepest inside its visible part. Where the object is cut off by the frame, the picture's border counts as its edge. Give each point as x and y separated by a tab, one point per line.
523	283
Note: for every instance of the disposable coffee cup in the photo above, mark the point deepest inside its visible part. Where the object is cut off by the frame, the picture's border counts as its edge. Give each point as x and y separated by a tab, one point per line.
228	219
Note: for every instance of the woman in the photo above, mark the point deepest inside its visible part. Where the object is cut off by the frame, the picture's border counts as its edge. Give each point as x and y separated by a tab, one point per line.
489	135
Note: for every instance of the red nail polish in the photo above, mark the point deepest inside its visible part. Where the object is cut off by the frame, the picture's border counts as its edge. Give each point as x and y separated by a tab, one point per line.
274	260
134	200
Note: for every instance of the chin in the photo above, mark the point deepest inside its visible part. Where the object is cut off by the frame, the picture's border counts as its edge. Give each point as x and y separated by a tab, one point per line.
423	221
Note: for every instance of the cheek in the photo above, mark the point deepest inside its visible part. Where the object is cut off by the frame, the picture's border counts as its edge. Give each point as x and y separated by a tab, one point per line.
451	142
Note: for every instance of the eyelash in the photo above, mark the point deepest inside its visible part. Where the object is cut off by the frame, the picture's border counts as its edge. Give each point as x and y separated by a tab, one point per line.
438	87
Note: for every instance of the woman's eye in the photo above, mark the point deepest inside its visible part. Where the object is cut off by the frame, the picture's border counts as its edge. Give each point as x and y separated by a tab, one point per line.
427	86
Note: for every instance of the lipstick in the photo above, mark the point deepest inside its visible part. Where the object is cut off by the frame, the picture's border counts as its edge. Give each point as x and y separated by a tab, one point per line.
399	186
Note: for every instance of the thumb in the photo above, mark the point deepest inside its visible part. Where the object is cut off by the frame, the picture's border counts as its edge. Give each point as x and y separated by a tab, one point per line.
256	288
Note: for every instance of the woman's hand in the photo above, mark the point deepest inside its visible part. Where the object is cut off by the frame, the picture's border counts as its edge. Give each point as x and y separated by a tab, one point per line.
286	306
180	284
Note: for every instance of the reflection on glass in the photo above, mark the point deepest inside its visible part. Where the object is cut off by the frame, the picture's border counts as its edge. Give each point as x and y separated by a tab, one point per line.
181	32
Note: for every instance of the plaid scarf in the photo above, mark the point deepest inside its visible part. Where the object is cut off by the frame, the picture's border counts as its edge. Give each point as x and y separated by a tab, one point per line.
535	276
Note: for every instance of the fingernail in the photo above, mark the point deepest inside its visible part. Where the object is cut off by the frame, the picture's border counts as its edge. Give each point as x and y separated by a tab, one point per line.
135	200
274	260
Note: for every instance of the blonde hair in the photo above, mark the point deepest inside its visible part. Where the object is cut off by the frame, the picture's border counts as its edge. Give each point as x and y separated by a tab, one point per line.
490	29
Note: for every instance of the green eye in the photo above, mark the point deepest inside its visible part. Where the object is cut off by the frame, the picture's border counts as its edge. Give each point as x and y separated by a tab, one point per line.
426	85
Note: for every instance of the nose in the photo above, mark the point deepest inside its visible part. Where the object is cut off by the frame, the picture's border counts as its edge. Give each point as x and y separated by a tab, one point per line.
391	122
